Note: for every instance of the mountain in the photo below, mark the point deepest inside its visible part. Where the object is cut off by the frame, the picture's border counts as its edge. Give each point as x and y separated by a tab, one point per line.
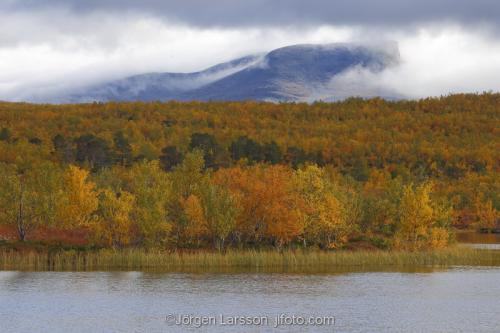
292	73
159	86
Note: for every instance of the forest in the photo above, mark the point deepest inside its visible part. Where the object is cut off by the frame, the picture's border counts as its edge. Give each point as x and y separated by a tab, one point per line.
248	175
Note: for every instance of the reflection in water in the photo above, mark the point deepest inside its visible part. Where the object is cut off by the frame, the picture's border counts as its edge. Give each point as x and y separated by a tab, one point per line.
479	240
458	299
482	246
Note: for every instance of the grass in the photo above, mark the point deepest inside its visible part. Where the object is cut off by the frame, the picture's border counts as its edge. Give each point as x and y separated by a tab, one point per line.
245	261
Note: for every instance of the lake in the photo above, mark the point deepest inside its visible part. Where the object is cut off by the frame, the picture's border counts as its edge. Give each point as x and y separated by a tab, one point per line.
479	240
459	299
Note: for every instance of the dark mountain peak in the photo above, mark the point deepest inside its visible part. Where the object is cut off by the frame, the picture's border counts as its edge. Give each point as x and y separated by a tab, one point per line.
291	73
333	56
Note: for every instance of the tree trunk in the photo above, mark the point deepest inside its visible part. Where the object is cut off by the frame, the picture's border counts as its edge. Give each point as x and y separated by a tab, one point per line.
22	234
21	230
219	243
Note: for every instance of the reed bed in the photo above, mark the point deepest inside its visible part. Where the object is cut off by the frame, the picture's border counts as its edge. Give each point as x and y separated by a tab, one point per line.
244	261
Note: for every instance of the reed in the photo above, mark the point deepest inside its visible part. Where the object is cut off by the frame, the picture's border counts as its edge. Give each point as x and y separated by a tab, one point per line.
245	261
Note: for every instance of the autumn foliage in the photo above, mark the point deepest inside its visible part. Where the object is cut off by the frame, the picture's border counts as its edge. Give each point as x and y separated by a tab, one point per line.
195	175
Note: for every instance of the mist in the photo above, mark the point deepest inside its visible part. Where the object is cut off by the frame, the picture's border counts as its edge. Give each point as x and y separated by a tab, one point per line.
55	49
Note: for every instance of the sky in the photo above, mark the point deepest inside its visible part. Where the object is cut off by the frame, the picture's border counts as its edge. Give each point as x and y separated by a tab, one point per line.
52	46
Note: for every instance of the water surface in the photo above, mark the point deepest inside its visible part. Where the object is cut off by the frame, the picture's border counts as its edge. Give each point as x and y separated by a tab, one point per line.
487	241
452	300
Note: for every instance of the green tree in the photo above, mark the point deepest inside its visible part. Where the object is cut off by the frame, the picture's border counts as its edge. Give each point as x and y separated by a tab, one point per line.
94	151
244	147
207	144
189	175
220	210
123	150
28	199
272	153
5	134
295	156
63	148
153	192
187	179
170	157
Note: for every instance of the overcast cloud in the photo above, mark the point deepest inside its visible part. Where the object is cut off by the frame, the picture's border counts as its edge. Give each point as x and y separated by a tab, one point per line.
53	45
238	13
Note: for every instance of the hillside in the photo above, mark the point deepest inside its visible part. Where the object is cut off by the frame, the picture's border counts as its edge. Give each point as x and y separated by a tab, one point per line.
369	146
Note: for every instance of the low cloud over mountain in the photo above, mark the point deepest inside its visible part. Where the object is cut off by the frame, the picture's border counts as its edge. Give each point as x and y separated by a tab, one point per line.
294	73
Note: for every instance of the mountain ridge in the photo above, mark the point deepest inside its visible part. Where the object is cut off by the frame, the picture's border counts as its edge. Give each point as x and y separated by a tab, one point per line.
303	72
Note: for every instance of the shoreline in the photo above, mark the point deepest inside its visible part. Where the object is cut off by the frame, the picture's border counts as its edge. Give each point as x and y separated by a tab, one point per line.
298	261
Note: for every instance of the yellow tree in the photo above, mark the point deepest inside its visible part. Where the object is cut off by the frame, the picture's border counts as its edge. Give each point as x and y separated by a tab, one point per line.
197	226
487	215
211	213
270	206
325	217
113	228
416	214
80	199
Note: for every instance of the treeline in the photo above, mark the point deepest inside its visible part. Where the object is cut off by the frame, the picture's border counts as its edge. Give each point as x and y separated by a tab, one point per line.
252	174
241	206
